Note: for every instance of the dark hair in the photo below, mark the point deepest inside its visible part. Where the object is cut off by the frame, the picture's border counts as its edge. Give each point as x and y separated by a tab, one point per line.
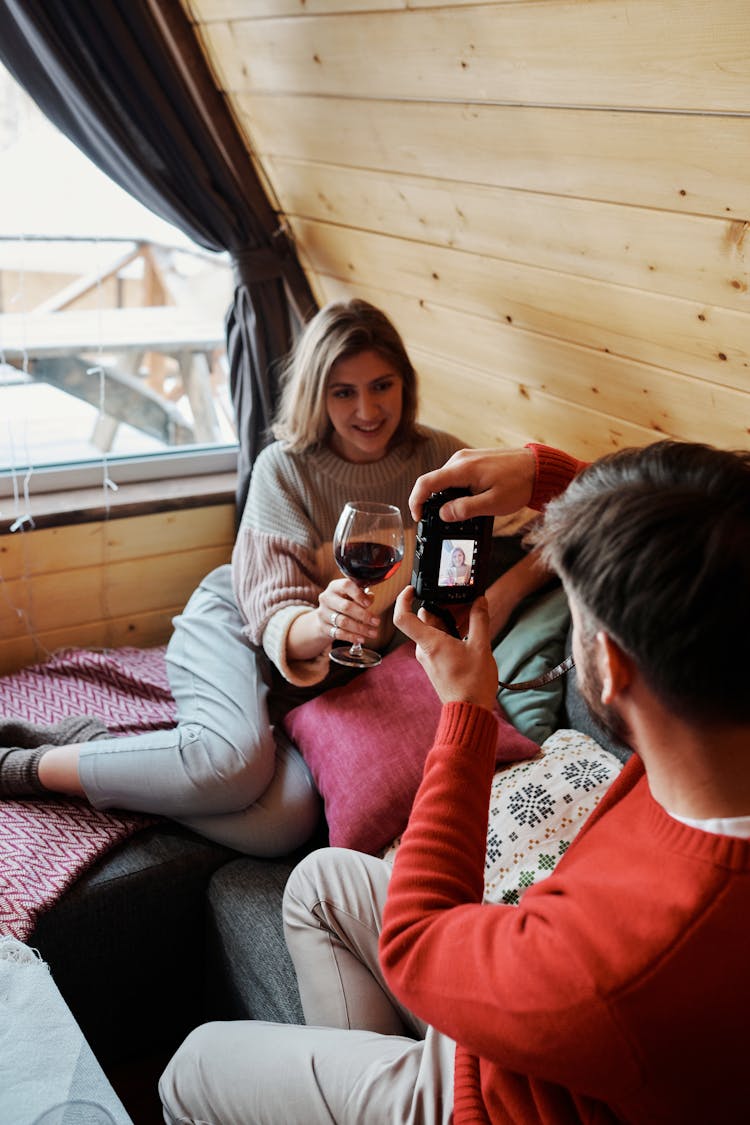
655	544
337	331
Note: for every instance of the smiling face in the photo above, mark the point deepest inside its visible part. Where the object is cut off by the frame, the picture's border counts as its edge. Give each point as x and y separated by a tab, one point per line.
364	400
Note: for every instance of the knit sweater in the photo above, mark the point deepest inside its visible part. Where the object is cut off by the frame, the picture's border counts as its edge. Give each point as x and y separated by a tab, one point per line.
615	991
283	556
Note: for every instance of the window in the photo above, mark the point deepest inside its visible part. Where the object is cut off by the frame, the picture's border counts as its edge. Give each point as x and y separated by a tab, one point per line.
111	323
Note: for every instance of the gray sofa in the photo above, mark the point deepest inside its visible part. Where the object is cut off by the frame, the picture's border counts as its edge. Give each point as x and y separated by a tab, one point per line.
126	944
249	971
169	930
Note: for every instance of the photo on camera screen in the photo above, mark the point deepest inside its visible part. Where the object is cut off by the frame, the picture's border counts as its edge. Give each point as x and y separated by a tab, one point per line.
457	562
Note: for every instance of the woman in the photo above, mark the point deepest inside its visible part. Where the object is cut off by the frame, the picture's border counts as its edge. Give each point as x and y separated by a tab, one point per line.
254	639
458	570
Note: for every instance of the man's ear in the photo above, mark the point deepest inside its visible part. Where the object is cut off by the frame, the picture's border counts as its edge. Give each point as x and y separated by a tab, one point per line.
615	667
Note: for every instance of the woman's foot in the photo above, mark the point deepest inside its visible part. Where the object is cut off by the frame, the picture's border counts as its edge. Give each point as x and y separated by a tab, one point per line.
19	763
19	772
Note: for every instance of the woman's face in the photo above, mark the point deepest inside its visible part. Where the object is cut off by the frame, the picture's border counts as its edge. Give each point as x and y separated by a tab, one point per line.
459	558
364	401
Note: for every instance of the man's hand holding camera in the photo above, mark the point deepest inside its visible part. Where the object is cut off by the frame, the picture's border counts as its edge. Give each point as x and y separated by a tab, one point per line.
475	484
460	671
500	480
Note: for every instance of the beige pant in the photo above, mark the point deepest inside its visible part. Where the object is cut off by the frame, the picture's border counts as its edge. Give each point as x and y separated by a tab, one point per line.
362	1059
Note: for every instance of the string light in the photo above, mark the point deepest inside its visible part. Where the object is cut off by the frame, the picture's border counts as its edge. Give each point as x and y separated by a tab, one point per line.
23	518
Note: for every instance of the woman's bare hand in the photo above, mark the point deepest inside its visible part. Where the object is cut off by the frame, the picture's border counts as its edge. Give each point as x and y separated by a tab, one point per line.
344	613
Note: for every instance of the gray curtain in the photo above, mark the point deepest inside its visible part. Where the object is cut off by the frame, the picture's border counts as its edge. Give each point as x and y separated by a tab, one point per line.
126	81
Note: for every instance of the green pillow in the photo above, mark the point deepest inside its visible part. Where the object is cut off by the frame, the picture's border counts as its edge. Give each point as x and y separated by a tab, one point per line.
532	645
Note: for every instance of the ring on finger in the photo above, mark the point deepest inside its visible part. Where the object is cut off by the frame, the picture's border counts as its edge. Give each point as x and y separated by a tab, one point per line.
333	632
333	617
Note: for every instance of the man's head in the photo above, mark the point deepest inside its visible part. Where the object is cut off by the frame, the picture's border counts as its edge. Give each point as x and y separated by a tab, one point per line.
653	547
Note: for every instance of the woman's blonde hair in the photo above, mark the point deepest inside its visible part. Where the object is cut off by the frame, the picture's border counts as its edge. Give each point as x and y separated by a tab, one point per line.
339	330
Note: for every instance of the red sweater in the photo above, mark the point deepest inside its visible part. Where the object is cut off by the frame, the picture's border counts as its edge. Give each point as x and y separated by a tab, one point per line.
616	991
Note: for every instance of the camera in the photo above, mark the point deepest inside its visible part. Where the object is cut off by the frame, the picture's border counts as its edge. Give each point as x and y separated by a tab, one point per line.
451	560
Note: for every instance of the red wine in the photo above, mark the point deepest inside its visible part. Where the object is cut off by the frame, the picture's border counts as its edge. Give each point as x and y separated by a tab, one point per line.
368	563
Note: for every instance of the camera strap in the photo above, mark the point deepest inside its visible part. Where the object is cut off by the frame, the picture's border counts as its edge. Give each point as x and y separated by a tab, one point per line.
523	685
545	678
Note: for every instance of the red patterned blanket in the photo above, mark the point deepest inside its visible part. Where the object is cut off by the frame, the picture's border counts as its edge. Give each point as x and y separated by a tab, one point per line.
46	845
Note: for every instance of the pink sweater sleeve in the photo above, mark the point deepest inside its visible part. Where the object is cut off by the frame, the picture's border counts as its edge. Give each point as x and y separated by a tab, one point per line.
271	573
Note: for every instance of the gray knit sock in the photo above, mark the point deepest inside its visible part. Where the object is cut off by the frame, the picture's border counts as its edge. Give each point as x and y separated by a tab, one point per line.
23	734
19	763
19	772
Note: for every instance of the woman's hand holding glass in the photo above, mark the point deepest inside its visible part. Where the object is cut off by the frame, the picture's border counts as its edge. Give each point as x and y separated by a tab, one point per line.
344	613
368	546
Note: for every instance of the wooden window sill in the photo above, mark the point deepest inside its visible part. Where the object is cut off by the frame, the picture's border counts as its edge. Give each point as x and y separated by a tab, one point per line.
89	505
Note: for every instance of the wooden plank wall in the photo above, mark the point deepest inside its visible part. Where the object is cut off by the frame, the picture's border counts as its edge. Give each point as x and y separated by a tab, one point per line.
106	583
550	198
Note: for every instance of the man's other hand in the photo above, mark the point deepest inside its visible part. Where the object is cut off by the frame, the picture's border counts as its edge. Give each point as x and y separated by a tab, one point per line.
460	671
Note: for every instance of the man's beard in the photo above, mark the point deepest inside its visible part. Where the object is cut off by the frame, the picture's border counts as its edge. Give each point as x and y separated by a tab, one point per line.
608	717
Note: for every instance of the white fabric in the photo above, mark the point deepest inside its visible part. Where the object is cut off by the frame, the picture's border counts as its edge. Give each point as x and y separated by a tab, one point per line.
44	1059
738	826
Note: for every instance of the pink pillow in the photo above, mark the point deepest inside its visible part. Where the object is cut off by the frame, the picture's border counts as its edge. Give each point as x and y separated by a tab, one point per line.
366	745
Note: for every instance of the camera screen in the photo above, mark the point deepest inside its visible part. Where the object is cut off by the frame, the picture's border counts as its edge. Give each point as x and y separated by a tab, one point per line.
457	562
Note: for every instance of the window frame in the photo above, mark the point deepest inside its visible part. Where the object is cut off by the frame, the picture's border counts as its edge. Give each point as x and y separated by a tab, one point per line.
121	470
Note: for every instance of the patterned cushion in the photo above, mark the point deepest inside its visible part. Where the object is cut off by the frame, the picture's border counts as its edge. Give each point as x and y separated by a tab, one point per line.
536	808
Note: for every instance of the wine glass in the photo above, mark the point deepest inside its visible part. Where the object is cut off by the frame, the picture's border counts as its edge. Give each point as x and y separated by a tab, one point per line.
76	1112
368	545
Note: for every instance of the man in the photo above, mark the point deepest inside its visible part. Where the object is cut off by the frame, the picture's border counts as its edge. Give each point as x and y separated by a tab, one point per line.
618	989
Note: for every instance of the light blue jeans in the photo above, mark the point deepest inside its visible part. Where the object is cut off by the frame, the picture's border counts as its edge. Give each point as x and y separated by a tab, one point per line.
223	771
